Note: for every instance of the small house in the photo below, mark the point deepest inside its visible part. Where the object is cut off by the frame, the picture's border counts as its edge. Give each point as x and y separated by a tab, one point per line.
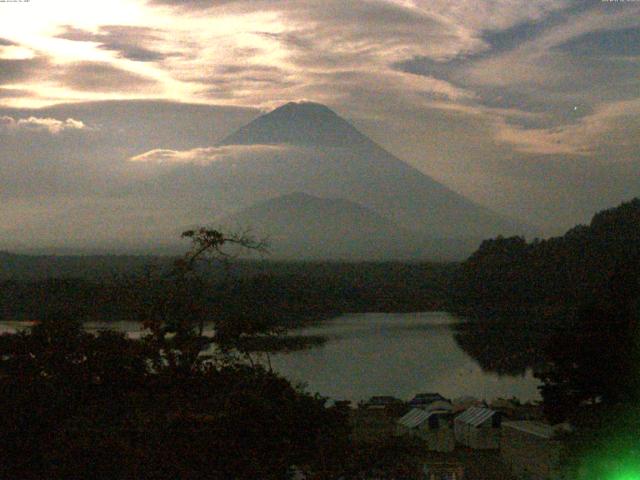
381	402
461	404
424	399
478	428
444	470
531	449
435	428
344	405
439	406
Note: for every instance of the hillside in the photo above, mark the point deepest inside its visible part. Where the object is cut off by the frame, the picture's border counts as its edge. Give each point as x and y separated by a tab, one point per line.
307	148
306	227
511	275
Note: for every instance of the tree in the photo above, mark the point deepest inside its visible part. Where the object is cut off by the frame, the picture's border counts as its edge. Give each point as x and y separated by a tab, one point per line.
54	376
592	379
84	405
596	358
174	305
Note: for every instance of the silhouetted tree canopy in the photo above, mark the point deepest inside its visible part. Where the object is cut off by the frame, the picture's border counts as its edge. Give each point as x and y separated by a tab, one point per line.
101	405
576	301
596	360
510	277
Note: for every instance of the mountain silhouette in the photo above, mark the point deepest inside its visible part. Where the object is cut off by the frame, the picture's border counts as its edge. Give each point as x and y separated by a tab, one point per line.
300	225
306	147
304	124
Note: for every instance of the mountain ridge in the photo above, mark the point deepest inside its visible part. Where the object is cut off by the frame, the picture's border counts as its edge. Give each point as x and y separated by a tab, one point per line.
358	169
298	123
303	226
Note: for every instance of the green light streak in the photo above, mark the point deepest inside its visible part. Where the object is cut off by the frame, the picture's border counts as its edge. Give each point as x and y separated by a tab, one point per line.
621	461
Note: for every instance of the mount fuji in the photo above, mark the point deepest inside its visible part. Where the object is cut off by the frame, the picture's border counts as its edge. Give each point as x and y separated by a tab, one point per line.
306	148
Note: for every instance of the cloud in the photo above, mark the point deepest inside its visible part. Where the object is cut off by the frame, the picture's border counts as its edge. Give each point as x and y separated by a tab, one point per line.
584	137
73	150
377	32
625	41
537	61
14	93
207	155
103	77
35	124
131	42
7	43
545	85
21	70
194	4
313	46
322	45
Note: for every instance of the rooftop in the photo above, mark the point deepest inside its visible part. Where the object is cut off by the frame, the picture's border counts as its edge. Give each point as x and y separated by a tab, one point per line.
414	418
475	416
539	429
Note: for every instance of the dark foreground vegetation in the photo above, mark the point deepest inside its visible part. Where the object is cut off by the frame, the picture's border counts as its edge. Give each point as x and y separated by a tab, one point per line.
79	405
570	306
177	403
521	295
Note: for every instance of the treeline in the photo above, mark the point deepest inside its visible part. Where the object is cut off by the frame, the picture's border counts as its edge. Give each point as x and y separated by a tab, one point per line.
524	299
40	267
181	401
569	307
291	291
510	277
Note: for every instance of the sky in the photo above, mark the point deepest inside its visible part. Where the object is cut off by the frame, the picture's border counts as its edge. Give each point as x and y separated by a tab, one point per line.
529	107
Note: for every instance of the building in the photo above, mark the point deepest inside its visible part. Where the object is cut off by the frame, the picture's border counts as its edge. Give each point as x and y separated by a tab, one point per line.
450	470
373	424
424	399
382	402
478	428
461	404
531	449
342	404
439	406
435	428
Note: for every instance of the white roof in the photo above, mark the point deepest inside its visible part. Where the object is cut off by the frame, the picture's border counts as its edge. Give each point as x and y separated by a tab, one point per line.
539	429
415	417
475	416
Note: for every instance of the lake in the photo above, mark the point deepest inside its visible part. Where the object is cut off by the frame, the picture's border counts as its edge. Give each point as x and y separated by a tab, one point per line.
397	354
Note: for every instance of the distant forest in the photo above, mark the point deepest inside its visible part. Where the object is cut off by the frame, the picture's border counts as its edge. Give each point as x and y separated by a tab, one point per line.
510	277
530	284
524	298
34	288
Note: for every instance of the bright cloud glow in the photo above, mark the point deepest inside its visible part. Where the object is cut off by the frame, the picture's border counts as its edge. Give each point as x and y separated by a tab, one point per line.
453	86
204	156
51	125
581	138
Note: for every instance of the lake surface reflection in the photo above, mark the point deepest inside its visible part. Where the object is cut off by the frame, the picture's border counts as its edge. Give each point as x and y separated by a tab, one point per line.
396	354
